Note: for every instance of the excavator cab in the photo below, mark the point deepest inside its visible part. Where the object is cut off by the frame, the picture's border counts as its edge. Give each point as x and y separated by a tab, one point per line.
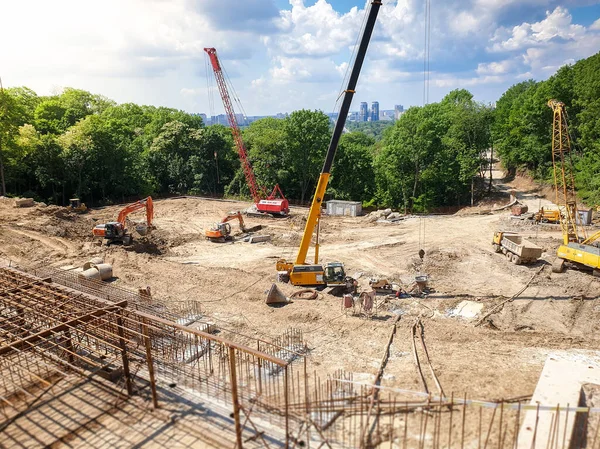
112	231
334	273
330	274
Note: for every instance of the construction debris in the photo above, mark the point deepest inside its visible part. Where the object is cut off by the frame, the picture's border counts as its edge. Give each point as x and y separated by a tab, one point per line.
24	202
258	238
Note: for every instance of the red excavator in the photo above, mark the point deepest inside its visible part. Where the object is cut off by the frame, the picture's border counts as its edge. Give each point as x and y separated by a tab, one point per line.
221	232
116	231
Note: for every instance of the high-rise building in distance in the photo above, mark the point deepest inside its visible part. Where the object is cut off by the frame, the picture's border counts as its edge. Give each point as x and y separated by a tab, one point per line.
364	112
398	111
374	111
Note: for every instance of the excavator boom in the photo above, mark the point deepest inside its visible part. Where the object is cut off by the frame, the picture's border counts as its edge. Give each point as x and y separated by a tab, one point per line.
141	204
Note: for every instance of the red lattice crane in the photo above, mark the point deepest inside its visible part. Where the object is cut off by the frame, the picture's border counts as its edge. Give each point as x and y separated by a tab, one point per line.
272	204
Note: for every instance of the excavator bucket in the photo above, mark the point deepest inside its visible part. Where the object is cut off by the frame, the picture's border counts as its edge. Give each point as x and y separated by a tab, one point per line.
276	296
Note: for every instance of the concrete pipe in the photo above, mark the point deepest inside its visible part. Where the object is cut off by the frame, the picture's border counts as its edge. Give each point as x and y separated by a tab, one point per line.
105	270
90	273
93	262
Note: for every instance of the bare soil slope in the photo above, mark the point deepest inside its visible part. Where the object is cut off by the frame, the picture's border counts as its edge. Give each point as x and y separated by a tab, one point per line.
502	358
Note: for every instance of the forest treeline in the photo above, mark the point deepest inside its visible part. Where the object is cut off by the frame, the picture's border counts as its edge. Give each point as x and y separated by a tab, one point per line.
523	123
85	145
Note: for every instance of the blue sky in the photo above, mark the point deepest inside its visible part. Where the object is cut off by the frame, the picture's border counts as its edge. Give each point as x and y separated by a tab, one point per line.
284	55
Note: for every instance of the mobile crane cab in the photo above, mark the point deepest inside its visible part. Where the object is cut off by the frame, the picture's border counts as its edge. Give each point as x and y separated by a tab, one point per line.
300	272
330	274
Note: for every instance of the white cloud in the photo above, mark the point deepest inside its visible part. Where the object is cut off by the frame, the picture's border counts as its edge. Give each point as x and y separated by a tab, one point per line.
138	50
495	68
317	30
300	70
557	24
465	23
151	51
457	82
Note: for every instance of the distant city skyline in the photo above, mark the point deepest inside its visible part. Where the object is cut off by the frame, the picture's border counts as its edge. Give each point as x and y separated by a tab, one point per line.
353	116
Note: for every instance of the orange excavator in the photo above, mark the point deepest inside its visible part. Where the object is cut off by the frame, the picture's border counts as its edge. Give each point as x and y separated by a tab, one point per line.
116	231
221	231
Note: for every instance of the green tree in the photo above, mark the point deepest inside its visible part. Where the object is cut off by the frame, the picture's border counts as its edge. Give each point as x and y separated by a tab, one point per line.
48	116
265	142
353	175
433	154
43	156
374	129
13	114
306	138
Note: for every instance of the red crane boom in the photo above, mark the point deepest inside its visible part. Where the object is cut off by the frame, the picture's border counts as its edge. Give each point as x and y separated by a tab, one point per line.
272	204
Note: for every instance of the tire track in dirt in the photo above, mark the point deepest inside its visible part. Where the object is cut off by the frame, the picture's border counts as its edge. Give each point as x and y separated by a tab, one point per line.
56	244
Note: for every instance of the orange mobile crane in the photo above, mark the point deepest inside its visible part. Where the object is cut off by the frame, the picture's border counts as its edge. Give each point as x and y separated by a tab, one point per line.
275	203
576	248
116	231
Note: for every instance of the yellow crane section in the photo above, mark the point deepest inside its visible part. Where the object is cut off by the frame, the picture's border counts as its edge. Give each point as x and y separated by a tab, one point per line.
300	272
576	247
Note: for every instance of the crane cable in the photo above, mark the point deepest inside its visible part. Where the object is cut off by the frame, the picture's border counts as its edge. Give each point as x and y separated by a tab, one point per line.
422	237
426	52
352	57
426	82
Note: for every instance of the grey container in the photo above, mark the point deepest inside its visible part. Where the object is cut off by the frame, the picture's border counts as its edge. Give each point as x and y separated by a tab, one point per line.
344	208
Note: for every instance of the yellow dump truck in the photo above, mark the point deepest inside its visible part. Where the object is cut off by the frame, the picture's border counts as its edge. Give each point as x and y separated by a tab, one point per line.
516	249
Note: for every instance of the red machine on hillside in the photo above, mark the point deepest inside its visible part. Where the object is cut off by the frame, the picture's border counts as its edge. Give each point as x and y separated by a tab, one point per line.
275	203
116	231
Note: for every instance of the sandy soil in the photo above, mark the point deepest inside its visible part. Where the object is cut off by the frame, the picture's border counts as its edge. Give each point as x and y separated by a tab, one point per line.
500	359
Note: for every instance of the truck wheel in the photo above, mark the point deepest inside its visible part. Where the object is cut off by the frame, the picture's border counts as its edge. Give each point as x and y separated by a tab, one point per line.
497	248
516	259
509	256
558	266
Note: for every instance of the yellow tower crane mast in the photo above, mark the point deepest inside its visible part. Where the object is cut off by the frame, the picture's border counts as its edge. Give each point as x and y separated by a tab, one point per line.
576	248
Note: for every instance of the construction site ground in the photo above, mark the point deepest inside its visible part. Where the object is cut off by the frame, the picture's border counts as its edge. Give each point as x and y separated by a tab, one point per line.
502	358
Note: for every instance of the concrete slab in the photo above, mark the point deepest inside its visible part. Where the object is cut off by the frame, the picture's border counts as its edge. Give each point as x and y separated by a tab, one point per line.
259	238
467	309
561	382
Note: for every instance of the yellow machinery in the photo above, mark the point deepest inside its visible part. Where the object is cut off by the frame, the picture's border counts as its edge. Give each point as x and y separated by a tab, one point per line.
75	205
576	247
547	216
300	272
